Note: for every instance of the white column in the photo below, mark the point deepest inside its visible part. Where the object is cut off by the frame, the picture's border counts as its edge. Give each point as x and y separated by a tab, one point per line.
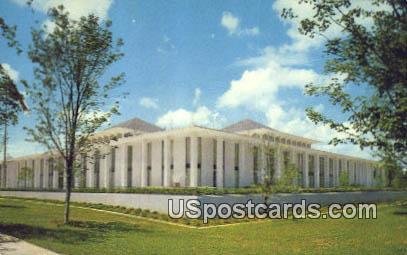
219	163
245	173
278	165
37	174
46	174
167	162
56	174
105	166
90	170
194	162
144	152
336	172
316	170
306	169
121	168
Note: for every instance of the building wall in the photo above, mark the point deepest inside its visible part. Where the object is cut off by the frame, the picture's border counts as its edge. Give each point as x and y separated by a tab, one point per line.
360	171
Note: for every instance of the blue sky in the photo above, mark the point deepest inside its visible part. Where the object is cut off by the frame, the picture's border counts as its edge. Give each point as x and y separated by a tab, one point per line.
209	63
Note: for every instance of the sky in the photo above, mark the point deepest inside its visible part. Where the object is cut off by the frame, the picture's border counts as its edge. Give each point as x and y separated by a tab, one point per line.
208	63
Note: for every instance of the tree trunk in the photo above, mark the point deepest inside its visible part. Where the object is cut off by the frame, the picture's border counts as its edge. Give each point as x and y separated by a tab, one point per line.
69	170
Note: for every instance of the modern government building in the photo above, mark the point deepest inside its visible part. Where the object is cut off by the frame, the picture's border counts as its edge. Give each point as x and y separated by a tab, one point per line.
238	155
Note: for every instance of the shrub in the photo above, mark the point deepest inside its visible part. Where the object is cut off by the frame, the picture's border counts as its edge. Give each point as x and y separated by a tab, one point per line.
343	179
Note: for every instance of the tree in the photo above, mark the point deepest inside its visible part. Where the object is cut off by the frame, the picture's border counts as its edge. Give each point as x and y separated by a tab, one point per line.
265	152
11	100
71	102
344	179
289	177
394	176
371	53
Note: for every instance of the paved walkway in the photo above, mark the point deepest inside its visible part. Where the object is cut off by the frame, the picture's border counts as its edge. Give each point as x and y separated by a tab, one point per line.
13	246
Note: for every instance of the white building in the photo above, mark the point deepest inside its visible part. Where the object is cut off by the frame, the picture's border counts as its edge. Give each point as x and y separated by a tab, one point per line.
145	155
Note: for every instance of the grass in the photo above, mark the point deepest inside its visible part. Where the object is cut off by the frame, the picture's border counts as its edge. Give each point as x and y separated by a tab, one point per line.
104	233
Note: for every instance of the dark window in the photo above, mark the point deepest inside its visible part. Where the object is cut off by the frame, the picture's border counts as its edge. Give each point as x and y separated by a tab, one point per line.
97	169
129	165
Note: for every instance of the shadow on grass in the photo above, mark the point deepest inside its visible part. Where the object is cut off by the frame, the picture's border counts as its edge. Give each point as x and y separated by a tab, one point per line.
77	231
401	209
12	206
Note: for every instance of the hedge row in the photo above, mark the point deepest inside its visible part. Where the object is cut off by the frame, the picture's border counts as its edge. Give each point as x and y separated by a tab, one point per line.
210	190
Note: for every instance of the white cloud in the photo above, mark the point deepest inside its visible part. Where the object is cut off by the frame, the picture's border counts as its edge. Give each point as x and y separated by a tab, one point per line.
12	73
258	87
230	22
232	25
197	96
149	103
76	8
202	116
276	68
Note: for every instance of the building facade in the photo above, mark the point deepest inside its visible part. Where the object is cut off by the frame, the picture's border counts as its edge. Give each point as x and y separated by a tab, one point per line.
239	155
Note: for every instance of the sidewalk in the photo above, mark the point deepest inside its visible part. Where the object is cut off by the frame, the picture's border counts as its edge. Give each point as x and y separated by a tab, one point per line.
13	246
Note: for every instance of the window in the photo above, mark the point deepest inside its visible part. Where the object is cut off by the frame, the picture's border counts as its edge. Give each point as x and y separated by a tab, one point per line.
199	181
215	160
112	167
129	165
172	162
311	171
41	173
25	174
331	172
321	171
187	161
113	160
300	164
149	160
162	163
223	163
83	173
50	173
255	165
97	169
237	152
32	173
60	176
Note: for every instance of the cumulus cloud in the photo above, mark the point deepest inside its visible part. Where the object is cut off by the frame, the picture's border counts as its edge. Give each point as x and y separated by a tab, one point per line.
12	73
259	87
277	68
76	8
181	117
149	103
232	25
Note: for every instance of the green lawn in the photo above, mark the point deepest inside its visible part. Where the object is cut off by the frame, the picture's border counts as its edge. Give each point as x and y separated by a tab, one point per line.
104	233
